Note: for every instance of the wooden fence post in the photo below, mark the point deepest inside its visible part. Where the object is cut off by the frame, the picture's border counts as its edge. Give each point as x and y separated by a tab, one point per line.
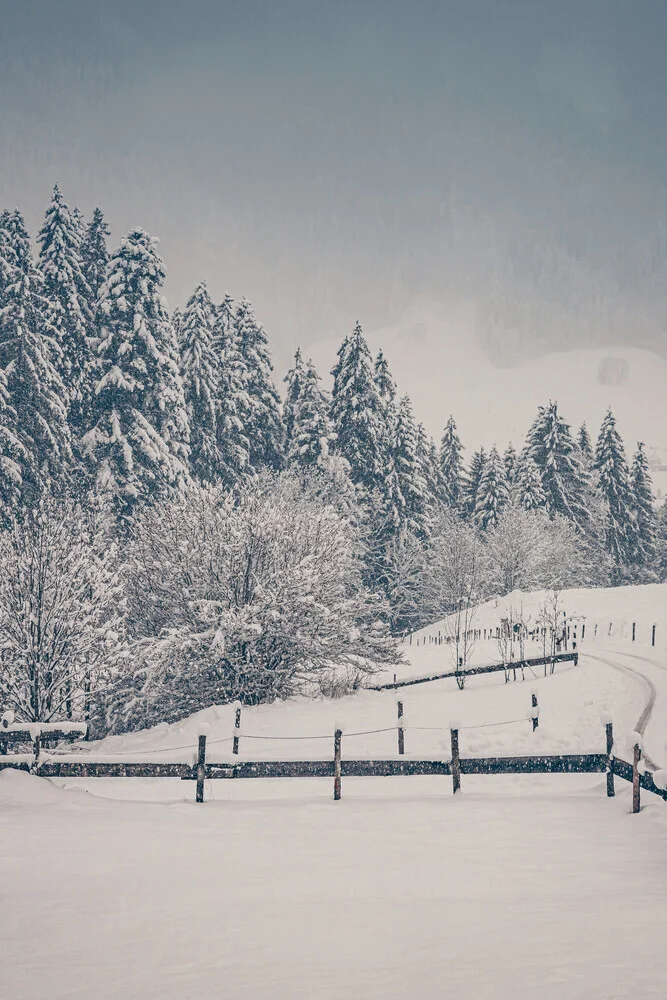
338	739
653	636
201	769
37	749
401	730
636	757
535	714
456	764
237	730
634	630
609	731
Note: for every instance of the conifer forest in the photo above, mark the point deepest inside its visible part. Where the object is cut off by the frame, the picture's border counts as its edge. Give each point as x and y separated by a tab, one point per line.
182	526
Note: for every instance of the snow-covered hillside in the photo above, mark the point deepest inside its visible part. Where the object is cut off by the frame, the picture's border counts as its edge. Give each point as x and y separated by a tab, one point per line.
436	359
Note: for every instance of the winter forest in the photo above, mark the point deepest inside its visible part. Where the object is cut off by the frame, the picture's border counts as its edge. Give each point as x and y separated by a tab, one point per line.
176	534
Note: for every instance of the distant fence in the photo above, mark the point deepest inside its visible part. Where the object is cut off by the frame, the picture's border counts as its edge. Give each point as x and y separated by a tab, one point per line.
510	667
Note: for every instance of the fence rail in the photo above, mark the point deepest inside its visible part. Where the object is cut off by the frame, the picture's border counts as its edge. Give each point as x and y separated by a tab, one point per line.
513	665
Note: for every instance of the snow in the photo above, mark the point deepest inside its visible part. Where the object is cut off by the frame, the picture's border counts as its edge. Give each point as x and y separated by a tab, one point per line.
272	890
518	886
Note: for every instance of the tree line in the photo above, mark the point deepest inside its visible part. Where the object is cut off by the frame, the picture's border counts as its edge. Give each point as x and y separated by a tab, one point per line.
173	533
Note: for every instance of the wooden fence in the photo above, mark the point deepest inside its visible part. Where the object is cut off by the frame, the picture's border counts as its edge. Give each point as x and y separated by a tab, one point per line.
338	768
510	667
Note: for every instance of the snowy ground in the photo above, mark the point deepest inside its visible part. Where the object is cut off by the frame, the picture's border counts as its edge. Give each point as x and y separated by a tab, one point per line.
277	892
519	887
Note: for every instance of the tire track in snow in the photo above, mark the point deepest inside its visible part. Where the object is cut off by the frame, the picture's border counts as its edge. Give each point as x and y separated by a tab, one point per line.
647	711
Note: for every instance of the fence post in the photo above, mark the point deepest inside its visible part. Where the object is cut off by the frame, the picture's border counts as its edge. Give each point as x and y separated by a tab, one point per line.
401	731
237	730
456	762
37	750
636	757
583	631
338	739
634	630
609	731
201	769
653	636
535	714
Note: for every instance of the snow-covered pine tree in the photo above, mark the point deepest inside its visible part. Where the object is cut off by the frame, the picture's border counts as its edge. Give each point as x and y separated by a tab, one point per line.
232	400
451	466
199	370
177	327
643	503
614	487
79	223
263	424
427	454
94	254
469	487
28	347
565	481
357	413
493	493
409	497
511	461
386	388
661	543
312	430
585	444
528	487
12	455
294	381
139	410
69	298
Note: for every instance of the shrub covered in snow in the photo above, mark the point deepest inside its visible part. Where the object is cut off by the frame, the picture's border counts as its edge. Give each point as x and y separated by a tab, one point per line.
245	595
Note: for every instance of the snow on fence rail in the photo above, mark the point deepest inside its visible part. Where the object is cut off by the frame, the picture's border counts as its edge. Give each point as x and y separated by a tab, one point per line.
450	764
509	667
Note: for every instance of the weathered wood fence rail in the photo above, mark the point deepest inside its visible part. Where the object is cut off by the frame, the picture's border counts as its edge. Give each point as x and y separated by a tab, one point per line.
509	667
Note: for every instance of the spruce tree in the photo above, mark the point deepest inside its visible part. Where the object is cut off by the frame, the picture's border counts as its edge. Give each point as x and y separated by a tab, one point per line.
469	489
406	489
511	460
28	350
69	298
451	466
357	413
427	455
585	444
294	381
135	441
528	487
614	487
661	544
386	388
199	369
565	481
12	454
94	254
79	224
232	400
493	492
312	431
263	422
643	504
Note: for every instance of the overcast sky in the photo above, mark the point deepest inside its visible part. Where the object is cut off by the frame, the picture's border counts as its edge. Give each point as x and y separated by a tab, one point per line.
340	160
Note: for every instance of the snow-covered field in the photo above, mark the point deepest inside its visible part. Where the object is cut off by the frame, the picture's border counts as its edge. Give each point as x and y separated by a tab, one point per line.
518	887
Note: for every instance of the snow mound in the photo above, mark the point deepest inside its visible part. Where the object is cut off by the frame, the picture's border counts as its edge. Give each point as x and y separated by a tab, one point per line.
18	788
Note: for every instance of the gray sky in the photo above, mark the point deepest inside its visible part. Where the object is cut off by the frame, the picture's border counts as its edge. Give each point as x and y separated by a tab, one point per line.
341	160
